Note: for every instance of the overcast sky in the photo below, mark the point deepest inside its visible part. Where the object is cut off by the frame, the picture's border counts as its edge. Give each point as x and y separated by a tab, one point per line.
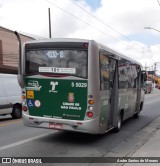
118	24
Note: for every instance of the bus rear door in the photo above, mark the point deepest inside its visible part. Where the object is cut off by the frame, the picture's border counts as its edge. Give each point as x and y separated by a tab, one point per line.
109	91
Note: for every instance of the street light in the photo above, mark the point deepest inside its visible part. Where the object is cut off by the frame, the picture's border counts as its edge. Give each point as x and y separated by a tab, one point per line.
152	28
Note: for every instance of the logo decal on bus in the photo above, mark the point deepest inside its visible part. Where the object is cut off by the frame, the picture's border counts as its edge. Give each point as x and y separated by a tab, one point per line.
33	85
53	84
30	94
30	103
71	97
37	103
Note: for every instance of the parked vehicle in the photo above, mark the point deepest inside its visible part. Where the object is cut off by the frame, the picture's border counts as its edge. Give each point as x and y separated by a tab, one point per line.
158	86
10	96
148	87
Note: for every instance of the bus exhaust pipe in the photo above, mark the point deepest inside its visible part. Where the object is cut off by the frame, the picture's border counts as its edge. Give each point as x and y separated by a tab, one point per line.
20	75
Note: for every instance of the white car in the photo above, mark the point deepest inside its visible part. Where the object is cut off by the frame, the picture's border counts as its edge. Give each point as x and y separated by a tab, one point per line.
10	96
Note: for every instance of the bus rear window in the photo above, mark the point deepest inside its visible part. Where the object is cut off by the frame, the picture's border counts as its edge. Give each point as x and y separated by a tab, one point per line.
70	62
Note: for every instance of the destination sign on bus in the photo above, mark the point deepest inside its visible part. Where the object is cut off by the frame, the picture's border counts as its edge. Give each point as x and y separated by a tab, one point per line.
57	70
55	54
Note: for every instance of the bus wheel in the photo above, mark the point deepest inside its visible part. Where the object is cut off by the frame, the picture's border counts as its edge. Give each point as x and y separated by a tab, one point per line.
136	115
119	123
16	111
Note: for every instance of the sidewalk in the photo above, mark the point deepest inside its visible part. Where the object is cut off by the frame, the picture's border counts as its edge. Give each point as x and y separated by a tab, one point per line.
150	148
151	144
145	143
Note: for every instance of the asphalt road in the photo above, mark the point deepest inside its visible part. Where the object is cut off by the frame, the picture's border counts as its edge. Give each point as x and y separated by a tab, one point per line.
17	140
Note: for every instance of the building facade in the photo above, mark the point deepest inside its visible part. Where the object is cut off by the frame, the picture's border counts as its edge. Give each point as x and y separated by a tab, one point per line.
9	49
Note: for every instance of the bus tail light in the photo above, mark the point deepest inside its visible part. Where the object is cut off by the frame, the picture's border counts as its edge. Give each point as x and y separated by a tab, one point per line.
27	45
90	114
90	96
85	45
24	108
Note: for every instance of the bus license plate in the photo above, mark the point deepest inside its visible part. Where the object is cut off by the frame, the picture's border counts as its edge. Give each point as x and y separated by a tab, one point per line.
56	126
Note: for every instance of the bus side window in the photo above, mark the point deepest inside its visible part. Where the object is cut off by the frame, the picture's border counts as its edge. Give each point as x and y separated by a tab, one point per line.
143	79
104	72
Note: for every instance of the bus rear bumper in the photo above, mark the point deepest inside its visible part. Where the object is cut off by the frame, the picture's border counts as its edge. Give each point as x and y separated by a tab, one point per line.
86	126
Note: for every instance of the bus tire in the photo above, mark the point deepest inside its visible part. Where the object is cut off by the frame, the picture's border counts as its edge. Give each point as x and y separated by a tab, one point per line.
16	111
119	123
136	115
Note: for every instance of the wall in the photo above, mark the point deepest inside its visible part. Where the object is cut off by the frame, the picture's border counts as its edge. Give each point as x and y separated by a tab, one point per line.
9	50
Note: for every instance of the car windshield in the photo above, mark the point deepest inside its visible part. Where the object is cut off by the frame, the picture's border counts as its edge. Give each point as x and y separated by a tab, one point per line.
70	62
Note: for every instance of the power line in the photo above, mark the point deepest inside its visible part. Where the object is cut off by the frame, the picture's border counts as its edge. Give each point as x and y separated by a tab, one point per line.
82	21
105	24
139	47
100	20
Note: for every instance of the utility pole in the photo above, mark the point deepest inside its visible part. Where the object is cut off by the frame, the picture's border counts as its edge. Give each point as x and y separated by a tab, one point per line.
145	68
155	65
49	16
154	74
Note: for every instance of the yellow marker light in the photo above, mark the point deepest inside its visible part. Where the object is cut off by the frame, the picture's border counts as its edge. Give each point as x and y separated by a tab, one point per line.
91	102
23	97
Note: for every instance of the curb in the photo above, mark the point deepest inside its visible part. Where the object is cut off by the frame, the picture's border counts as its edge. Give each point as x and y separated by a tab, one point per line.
129	146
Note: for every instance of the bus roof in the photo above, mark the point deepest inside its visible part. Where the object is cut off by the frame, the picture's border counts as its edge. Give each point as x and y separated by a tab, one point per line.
101	46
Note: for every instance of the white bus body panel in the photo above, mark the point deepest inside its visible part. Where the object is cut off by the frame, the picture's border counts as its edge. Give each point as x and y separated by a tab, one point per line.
87	126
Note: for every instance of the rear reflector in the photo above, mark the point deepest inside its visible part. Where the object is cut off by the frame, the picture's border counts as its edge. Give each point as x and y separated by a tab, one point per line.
24	108
79	123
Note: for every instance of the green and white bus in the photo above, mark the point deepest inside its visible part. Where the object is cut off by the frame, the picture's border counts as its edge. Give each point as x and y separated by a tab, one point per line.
78	85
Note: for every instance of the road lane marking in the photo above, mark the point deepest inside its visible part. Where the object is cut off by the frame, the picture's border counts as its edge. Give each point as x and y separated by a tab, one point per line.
151	102
24	141
12	122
